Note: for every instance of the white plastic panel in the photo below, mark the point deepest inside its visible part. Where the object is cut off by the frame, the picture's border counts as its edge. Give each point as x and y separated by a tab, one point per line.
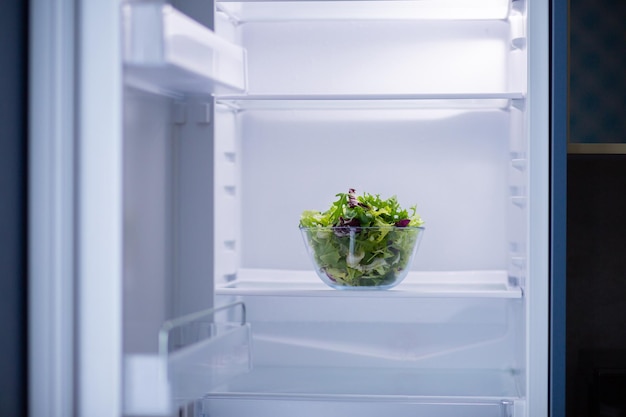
195	370
377	57
312	327
518	71
52	210
538	214
147	209
439	101
384	345
366	392
226	165
439	356
517	213
391	332
197	353
362	407
145	385
98	262
247	11
170	53
453	164
156	385
372	382
194	206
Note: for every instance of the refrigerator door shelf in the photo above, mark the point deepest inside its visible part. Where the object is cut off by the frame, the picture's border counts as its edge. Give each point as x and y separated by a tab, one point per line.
366	392
158	384
451	101
166	52
263	11
449	284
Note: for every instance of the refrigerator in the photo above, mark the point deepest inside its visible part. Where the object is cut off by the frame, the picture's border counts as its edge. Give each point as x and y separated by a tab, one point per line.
174	147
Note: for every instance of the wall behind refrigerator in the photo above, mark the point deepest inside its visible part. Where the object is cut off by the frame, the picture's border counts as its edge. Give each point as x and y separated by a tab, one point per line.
598	61
596	265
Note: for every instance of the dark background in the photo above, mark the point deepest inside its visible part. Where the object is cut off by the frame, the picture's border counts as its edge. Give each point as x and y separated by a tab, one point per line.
596	205
13	149
596	281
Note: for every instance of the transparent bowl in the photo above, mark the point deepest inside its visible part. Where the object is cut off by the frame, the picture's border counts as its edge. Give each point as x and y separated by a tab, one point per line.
362	258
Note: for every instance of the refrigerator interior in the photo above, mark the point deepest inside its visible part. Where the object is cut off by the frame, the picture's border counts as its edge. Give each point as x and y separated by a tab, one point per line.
229	135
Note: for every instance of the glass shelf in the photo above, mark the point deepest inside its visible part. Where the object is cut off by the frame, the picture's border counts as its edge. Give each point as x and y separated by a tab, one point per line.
268	11
454	284
367	392
373	382
356	102
169	53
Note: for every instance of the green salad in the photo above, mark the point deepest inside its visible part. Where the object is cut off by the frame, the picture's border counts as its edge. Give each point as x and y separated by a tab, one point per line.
362	241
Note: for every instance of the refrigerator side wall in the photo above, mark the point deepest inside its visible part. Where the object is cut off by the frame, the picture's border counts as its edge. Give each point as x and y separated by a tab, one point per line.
537	289
194	227
148	235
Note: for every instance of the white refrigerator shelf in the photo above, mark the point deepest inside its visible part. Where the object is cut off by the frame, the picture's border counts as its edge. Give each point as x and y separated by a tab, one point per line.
271	11
494	100
166	52
381	383
477	284
367	392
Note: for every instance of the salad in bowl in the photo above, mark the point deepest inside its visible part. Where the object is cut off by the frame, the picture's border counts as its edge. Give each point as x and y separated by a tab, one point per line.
362	242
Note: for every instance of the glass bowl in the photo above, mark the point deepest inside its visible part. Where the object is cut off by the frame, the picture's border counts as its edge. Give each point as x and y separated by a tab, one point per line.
362	258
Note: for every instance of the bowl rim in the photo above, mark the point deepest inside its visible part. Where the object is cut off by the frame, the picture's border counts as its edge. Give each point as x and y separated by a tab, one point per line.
358	228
